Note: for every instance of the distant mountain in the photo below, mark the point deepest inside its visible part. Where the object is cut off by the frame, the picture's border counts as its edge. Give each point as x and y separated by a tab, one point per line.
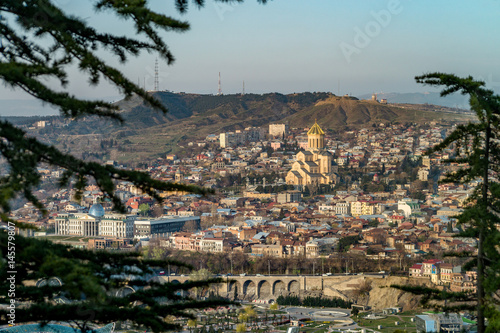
148	133
452	101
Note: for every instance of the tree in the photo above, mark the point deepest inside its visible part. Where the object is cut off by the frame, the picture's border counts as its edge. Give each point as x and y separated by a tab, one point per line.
157	210
190	226
143	209
373	223
241	328
192	323
98	287
476	145
39	44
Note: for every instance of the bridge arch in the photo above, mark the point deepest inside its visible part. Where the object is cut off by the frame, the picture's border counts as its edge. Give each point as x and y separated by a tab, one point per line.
234	289
264	289
279	287
294	286
175	282
249	289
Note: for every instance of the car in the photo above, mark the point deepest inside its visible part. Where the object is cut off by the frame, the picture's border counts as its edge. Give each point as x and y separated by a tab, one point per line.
259	275
243	274
161	273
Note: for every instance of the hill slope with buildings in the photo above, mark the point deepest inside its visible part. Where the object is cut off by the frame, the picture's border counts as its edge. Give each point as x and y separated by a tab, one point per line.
149	133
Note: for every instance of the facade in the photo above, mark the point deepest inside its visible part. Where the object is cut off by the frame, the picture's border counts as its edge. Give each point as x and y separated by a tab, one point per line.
105	243
214	245
314	165
342	208
289	196
162	226
262	250
442	322
249	134
408	206
278	130
95	223
359	208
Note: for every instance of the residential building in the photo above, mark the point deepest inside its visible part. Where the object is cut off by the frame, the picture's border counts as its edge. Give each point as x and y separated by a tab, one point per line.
278	130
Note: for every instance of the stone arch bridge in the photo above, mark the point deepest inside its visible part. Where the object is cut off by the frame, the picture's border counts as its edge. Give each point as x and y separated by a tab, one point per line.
270	287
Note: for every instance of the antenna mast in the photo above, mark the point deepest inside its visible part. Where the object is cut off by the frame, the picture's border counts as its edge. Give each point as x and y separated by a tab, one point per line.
156	75
219	91
243	92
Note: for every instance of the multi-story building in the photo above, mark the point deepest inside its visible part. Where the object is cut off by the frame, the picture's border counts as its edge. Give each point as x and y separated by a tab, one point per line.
214	245
162	226
312	249
278	130
95	223
429	267
342	208
289	196
263	250
230	139
361	208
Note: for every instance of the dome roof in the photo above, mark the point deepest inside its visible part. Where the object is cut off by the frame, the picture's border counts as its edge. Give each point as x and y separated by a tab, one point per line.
315	129
96	210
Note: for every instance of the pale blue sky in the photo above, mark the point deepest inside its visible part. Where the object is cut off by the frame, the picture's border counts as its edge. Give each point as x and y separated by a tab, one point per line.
313	45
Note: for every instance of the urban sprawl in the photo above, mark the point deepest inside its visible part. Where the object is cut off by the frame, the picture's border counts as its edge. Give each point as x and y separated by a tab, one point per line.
285	192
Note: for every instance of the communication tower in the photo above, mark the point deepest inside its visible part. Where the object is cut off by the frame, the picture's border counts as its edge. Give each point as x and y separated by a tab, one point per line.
156	75
219	91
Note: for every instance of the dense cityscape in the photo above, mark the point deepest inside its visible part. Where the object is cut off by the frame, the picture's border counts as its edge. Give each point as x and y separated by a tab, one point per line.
255	166
344	207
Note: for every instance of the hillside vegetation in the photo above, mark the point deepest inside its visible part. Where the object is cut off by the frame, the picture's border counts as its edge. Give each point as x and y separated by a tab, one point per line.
148	134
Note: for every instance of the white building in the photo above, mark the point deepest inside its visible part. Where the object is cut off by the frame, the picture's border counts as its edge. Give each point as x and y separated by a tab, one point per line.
95	223
342	208
408	206
278	130
215	245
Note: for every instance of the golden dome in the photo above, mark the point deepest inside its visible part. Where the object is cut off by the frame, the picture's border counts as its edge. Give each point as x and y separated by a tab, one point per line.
315	129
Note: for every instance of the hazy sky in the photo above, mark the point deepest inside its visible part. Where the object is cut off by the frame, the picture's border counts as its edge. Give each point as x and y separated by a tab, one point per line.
286	46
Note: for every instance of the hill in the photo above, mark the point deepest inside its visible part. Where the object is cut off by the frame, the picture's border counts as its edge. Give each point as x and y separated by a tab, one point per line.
452	101
148	134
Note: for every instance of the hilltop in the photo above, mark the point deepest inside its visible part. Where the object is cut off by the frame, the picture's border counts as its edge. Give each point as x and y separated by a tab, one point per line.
150	134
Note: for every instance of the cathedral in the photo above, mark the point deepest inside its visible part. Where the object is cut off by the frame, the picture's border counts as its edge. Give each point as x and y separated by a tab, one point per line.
314	165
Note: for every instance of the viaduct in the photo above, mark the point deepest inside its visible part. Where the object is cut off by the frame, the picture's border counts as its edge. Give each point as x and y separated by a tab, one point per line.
270	287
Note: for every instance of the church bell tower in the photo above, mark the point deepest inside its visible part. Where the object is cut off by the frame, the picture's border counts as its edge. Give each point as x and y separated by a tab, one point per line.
316	137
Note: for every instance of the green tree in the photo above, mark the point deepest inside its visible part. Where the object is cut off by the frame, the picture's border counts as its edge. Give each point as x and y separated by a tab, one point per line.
99	287
39	45
476	145
144	209
241	328
192	323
